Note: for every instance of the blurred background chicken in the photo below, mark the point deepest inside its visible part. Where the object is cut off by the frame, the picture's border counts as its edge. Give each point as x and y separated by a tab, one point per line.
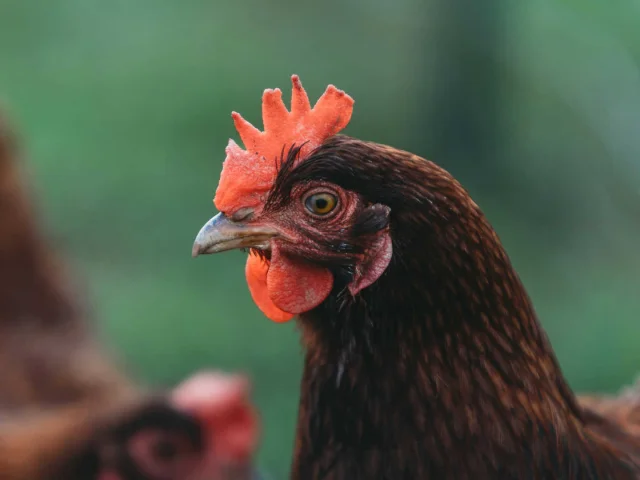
67	409
533	107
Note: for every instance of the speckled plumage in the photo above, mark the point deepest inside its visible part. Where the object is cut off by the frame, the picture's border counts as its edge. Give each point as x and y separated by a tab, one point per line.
61	397
440	369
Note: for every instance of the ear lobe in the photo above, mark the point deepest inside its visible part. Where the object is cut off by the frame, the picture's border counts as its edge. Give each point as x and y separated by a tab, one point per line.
373	219
376	261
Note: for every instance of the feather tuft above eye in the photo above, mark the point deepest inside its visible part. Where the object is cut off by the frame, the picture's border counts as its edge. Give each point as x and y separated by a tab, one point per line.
248	175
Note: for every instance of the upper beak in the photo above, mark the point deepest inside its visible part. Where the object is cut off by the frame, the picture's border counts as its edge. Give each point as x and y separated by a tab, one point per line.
220	234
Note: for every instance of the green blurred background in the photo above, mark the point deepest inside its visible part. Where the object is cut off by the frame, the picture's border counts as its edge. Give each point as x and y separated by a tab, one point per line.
124	109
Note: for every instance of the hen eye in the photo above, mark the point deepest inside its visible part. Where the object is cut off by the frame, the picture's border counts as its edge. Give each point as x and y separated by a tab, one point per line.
321	203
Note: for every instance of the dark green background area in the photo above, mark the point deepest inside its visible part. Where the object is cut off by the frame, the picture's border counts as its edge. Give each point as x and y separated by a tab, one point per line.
124	109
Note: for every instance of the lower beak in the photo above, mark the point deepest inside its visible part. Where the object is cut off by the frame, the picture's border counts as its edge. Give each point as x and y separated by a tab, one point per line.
220	234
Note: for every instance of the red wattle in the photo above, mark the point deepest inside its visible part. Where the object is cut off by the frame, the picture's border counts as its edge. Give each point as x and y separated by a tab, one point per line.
296	286
284	287
256	272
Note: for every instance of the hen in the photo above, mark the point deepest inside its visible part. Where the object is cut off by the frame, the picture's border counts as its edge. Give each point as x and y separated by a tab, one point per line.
424	356
66	410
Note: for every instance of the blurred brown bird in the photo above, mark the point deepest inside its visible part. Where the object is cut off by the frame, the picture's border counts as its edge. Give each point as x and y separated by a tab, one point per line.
424	356
67	411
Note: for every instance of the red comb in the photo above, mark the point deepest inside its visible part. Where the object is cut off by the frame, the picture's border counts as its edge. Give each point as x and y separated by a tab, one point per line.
247	175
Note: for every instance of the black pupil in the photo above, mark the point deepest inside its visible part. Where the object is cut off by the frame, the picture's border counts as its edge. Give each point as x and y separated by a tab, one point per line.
165	449
321	203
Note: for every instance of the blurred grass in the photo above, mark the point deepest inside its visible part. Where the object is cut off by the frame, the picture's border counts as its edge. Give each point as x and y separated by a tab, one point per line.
124	108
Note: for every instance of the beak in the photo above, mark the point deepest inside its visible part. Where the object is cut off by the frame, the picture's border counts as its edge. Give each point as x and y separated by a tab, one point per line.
221	234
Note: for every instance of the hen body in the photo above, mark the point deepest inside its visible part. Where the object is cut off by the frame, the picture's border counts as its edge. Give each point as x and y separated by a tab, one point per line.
424	356
440	369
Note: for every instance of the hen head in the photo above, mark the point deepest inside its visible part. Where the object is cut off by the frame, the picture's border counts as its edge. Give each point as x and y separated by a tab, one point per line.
303	228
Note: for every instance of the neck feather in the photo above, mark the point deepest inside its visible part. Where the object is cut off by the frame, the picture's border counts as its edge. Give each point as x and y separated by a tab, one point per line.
31	281
443	356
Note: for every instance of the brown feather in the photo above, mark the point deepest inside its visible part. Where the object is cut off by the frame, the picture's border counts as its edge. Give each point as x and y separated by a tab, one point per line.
440	369
60	392
48	354
616	417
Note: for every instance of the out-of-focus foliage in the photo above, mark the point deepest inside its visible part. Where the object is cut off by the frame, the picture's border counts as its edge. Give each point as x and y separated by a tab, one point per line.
124	107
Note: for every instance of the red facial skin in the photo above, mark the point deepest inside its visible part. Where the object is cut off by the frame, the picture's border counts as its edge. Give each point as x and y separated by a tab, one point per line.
220	403
287	284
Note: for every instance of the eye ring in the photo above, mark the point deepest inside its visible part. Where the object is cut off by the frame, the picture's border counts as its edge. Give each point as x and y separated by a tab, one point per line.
321	203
